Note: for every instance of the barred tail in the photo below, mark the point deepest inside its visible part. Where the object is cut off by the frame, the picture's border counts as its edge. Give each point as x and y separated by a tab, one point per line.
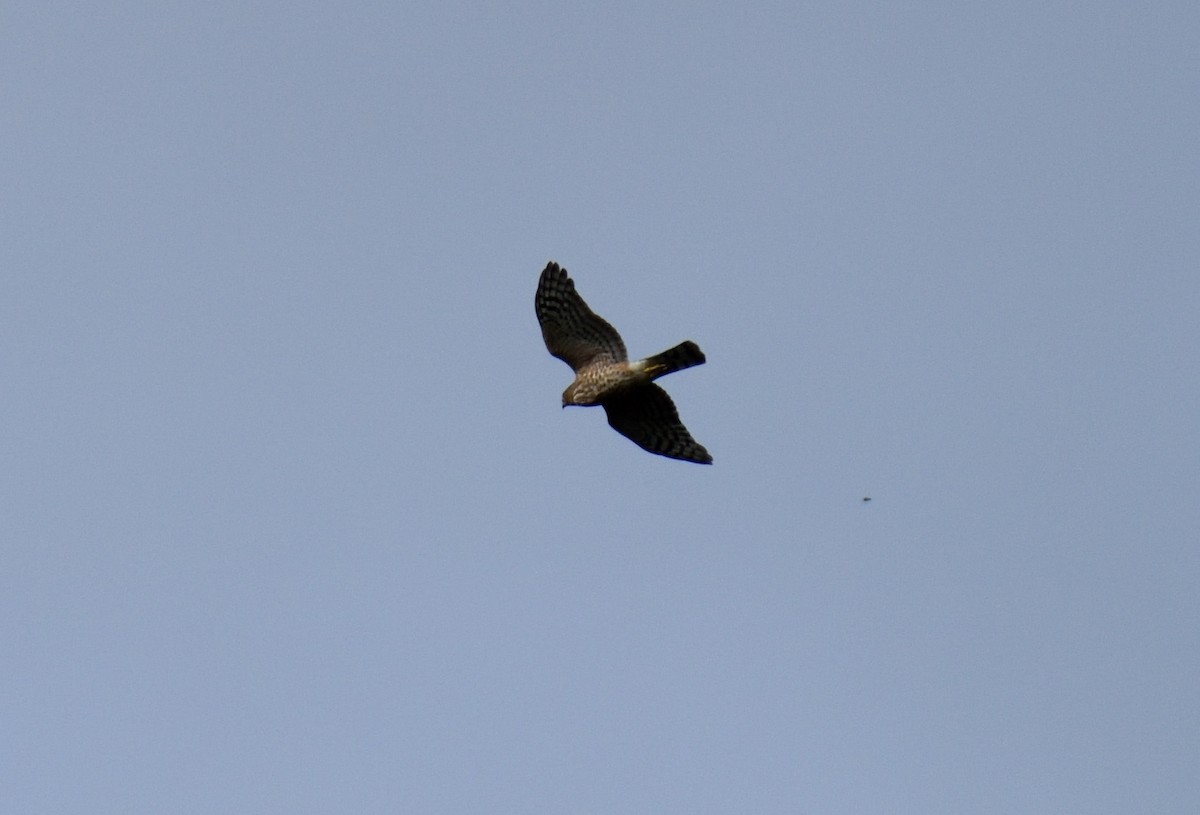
684	355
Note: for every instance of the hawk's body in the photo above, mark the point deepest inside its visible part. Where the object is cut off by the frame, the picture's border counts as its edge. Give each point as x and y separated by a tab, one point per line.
636	407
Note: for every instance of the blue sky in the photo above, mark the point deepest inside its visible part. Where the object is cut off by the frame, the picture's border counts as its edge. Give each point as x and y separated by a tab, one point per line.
292	520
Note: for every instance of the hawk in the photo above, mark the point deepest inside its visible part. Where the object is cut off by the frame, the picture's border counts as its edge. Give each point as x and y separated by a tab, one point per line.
636	407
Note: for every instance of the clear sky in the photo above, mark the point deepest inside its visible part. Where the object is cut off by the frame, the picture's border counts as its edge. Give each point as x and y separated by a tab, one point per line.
291	520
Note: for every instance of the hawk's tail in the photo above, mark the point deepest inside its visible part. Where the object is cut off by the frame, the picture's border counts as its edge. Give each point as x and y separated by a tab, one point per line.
684	355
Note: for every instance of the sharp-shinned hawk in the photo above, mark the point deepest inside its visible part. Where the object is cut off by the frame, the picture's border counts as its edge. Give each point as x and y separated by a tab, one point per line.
636	407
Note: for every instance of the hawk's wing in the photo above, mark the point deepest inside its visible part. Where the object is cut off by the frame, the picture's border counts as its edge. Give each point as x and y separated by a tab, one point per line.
572	331
647	416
